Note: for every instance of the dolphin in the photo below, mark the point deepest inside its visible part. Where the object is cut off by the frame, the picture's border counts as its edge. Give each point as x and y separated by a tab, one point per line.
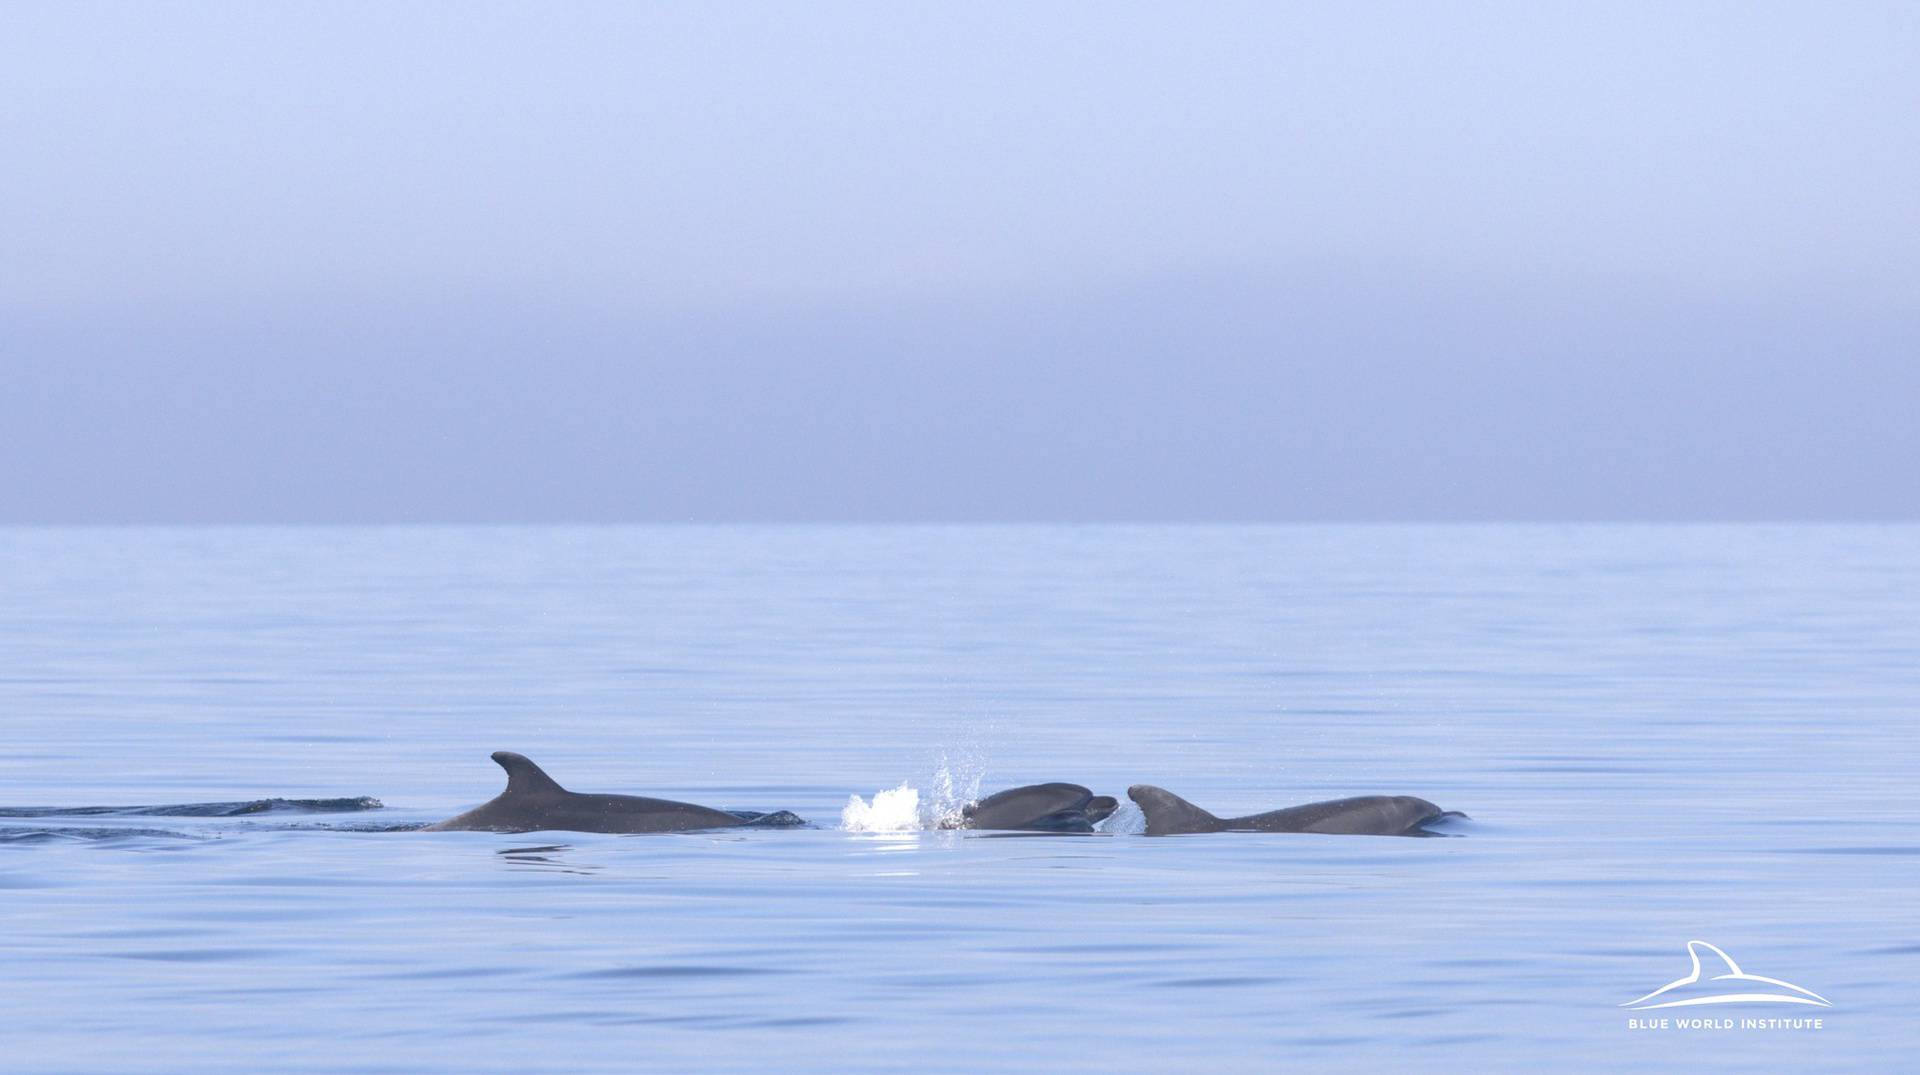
1038	808
1368	815
535	802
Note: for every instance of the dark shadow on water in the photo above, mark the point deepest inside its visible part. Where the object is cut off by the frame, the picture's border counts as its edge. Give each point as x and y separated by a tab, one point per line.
1909	850
677	971
191	955
547	858
1013	835
1215	983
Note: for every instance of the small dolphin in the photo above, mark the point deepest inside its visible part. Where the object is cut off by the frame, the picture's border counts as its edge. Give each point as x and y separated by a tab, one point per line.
1368	815
1038	808
534	802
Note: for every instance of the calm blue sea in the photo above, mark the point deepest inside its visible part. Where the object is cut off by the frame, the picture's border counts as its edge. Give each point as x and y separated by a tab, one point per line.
1662	733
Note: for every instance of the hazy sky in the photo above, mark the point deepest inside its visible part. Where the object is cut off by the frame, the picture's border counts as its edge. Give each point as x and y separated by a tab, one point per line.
472	262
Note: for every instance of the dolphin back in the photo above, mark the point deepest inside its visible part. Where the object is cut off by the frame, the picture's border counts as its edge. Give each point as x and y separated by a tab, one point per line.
1168	814
534	802
1057	807
1365	815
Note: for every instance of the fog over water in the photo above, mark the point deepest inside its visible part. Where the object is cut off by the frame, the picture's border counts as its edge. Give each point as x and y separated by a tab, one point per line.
356	263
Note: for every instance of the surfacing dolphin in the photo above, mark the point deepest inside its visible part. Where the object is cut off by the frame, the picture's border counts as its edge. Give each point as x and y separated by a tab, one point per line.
535	802
1368	815
1038	808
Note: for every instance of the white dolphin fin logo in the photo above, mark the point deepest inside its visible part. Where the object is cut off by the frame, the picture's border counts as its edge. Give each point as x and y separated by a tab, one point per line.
1745	995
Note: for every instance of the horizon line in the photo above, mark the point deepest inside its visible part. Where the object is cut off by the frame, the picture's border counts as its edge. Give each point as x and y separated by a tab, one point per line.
243	524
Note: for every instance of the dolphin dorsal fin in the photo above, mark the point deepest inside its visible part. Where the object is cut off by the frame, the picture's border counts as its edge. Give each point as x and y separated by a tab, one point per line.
524	777
1168	813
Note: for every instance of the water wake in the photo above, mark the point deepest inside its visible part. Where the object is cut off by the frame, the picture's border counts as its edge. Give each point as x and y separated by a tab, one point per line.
77	834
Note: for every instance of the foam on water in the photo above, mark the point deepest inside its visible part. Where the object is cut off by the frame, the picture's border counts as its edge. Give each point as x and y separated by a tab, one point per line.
892	810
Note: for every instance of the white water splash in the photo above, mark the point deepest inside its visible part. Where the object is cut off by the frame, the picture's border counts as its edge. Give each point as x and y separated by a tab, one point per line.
1127	819
954	786
893	810
904	809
